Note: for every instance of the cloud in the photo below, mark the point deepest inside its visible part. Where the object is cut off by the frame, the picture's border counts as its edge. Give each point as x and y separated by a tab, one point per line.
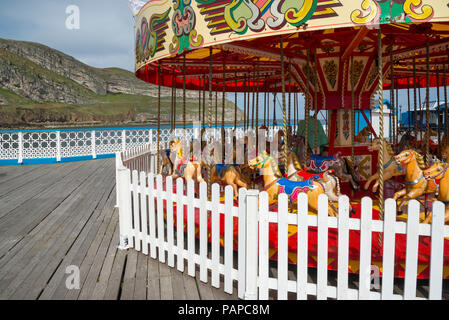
105	37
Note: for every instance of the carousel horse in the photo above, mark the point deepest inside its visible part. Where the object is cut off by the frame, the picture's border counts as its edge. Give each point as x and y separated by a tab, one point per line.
183	167
166	162
415	184
421	144
330	182
444	140
230	175
445	153
274	185
298	143
436	175
339	165
391	168
406	142
363	135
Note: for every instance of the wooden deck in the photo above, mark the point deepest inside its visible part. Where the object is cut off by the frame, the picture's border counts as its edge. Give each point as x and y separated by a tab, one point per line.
54	216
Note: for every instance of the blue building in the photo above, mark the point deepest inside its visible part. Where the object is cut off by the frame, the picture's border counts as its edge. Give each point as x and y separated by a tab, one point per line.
407	119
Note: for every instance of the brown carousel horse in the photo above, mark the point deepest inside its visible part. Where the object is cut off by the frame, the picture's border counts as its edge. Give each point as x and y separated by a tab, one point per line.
230	175
437	175
340	166
415	183
445	153
187	168
391	168
274	185
363	135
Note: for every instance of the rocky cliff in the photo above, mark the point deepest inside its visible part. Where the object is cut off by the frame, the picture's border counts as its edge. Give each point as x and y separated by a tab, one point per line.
39	84
40	73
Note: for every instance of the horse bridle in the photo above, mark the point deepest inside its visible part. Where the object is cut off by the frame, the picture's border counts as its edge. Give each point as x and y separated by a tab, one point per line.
440	173
260	162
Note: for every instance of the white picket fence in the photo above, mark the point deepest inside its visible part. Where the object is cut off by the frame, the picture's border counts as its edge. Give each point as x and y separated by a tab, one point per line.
147	227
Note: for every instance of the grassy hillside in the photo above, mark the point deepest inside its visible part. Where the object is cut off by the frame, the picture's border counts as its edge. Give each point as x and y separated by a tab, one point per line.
41	87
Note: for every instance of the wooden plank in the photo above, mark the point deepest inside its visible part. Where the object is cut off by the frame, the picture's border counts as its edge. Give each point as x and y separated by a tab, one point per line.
32	222
78	249
282	247
82	241
106	269
140	286
35	213
75	255
389	238
411	259
40	259
205	291
153	290
94	272
179	291
129	279
303	238
191	288
165	282
88	258
113	288
228	239
343	248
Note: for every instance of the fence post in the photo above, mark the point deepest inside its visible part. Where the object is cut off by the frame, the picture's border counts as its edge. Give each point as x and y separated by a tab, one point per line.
123	140
58	146
94	152
123	182
20	157
252	218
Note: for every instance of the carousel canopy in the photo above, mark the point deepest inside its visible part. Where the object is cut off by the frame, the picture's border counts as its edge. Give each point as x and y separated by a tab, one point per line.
329	46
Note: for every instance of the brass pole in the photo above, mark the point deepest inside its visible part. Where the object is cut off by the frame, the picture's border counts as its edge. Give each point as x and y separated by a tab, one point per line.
284	107
381	130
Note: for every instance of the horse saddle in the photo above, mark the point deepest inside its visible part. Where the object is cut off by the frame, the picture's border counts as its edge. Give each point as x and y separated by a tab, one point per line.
220	169
293	188
308	175
321	163
180	168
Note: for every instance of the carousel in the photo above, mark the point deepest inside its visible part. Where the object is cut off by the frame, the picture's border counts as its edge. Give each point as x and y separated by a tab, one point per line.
343	58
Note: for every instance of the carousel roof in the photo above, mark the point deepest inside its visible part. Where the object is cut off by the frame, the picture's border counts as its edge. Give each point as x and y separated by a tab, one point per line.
328	40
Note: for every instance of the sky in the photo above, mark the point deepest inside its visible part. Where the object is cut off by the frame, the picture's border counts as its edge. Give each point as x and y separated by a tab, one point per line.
105	37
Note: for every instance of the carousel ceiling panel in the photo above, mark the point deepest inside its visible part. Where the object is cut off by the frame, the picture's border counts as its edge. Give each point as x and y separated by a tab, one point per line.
330	68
